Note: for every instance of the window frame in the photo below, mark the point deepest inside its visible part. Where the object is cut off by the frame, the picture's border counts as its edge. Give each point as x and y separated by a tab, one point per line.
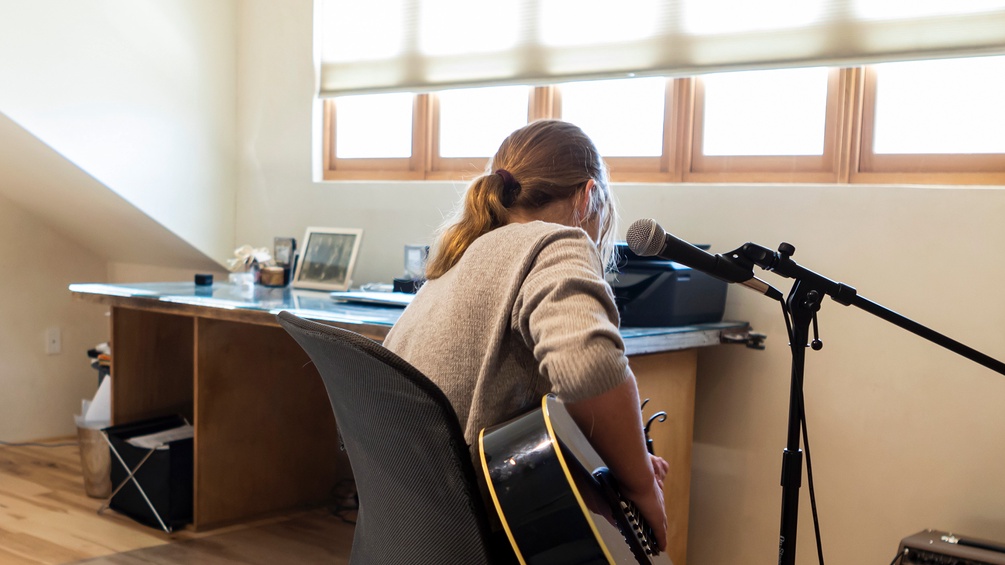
771	168
921	168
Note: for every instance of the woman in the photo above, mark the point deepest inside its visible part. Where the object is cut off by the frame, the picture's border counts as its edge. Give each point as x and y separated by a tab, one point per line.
516	305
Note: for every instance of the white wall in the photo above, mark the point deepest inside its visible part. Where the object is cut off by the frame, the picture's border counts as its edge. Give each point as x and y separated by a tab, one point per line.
905	436
276	194
117	129
122	273
60	226
138	94
40	393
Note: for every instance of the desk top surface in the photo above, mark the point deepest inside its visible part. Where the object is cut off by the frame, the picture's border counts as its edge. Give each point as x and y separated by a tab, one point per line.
260	304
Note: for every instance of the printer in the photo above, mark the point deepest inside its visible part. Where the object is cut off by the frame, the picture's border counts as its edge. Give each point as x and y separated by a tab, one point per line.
655	292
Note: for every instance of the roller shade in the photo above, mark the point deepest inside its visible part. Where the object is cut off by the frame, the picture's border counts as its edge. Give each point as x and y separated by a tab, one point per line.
367	46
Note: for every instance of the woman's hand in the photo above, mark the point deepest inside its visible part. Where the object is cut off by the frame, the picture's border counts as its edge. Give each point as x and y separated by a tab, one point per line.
650	505
660	469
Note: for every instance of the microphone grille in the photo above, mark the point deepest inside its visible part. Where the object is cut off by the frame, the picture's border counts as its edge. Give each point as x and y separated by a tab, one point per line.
645	237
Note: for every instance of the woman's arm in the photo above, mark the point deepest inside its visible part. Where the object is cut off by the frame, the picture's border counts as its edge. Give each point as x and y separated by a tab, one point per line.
613	423
566	313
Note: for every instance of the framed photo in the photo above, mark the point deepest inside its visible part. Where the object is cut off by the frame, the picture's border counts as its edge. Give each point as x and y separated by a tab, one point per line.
284	250
328	258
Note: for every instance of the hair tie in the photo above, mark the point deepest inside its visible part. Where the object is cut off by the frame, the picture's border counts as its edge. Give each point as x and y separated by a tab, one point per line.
509	183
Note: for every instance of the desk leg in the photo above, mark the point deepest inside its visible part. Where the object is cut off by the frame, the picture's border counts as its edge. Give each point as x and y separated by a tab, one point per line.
668	380
265	437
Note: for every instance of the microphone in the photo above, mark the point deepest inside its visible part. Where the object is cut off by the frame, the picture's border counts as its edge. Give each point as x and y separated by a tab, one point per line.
646	238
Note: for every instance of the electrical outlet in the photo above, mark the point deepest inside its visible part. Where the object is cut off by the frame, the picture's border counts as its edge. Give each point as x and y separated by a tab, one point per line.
53	341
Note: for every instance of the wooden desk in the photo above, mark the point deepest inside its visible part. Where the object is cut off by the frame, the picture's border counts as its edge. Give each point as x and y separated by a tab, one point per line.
265	437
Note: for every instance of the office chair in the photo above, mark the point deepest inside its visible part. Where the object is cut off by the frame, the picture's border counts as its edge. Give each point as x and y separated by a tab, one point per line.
419	499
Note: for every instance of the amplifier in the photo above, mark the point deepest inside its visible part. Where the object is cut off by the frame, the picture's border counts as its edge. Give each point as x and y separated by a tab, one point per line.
932	547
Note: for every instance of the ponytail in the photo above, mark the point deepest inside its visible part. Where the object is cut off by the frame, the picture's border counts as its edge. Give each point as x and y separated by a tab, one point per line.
483	211
543	162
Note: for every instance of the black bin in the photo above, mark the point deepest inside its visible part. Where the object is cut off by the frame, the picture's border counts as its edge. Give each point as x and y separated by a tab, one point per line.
166	477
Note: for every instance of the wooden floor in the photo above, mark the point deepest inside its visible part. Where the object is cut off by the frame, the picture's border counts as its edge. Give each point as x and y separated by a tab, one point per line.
46	518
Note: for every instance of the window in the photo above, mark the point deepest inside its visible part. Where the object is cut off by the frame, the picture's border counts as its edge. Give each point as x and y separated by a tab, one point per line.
428	45
940	121
469	124
766	125
629	121
375	137
724	17
374	127
765	113
619	129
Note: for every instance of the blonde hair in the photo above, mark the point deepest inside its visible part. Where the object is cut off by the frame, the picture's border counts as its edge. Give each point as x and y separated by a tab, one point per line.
543	162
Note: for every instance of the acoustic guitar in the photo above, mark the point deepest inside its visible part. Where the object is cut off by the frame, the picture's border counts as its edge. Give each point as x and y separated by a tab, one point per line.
558	502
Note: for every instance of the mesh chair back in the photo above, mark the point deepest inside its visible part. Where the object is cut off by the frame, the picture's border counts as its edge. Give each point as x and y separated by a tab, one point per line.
418	495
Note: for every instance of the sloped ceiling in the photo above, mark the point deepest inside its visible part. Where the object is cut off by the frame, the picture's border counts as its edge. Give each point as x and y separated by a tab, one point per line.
48	186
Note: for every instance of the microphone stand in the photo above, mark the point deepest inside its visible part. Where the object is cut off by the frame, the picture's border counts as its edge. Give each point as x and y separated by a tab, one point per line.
803	303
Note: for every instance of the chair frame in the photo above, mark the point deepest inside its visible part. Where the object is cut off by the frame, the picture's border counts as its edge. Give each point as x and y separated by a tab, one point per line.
353	345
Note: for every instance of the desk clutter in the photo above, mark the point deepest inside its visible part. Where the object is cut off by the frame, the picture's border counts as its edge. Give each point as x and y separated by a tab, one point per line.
399	299
252	265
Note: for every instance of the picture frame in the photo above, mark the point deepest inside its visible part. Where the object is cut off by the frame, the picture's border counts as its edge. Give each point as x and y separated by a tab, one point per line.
284	250
328	258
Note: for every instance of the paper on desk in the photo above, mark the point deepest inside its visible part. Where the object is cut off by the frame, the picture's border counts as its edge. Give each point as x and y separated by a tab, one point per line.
160	440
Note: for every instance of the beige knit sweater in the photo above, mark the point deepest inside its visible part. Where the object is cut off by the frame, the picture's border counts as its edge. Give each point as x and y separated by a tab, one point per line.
525	311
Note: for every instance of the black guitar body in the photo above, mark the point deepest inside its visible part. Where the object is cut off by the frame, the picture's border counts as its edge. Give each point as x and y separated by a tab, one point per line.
558	503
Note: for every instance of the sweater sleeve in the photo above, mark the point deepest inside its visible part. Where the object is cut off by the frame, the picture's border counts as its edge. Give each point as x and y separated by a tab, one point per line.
565	313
